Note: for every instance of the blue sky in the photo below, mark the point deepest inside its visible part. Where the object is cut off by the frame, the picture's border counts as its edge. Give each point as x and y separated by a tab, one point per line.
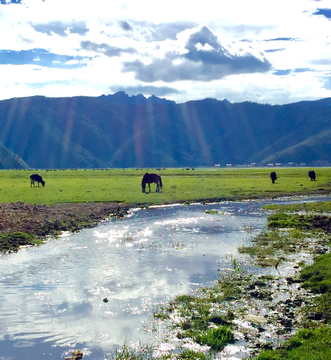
257	50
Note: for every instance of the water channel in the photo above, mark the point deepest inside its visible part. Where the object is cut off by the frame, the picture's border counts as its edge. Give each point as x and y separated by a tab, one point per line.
53	297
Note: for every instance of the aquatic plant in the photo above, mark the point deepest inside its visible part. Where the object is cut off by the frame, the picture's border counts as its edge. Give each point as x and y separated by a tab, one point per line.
126	352
216	338
12	241
192	355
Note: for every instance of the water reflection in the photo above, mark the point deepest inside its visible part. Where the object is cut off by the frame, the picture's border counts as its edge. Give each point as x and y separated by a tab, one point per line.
51	297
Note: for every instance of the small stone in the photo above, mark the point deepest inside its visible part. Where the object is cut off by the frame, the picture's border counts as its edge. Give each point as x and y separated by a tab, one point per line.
256	319
57	225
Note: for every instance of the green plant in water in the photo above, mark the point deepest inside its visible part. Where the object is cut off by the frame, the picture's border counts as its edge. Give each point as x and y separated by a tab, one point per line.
12	241
192	355
214	212
127	353
216	338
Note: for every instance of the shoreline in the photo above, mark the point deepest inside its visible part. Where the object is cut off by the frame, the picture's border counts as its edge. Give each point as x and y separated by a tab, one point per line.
27	224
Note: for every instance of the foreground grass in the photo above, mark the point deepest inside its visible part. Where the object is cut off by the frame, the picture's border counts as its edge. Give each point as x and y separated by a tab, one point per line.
124	185
308	344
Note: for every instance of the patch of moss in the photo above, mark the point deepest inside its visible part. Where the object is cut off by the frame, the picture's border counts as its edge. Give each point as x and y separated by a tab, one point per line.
284	220
12	241
216	338
214	212
312	344
192	355
317	276
230	288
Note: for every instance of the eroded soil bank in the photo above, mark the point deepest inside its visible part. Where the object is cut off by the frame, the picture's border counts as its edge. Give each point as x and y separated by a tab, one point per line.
23	224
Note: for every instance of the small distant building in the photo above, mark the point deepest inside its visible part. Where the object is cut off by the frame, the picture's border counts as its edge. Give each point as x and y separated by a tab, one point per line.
217	165
228	165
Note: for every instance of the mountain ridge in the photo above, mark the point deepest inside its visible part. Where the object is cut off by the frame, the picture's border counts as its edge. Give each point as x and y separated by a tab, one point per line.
133	131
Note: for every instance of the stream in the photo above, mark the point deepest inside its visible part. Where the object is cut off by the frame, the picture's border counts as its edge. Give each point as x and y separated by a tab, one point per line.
93	290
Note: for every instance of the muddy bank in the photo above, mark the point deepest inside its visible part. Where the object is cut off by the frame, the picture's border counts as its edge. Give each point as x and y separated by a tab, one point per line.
41	220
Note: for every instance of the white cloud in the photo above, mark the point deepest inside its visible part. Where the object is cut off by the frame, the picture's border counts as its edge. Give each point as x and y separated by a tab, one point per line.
152	41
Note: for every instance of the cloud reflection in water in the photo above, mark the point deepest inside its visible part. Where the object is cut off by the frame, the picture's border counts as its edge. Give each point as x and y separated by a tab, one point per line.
56	291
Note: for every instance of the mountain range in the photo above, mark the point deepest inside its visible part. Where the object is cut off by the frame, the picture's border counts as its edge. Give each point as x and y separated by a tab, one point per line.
133	131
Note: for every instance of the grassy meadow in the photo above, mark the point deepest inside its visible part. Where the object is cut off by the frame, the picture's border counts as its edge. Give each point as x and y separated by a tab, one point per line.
124	185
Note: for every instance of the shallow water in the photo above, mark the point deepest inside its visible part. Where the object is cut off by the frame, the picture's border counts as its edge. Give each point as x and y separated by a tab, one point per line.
52	296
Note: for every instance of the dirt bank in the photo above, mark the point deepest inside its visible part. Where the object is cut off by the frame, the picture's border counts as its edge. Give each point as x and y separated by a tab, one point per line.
42	220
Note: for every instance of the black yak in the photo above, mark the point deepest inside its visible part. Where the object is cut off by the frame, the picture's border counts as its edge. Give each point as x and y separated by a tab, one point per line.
312	175
36	178
273	176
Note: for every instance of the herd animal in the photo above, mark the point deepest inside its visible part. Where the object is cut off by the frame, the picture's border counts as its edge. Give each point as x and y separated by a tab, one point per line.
36	178
311	174
273	176
155	178
149	179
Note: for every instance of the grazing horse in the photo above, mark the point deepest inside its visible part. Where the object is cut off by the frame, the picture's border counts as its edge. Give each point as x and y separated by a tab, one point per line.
273	176
151	178
36	178
312	175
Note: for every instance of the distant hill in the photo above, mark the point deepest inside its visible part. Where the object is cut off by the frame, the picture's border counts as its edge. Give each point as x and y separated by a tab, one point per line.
8	160
122	131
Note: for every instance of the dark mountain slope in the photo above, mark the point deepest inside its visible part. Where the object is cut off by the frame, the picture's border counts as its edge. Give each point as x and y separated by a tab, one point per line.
8	160
121	131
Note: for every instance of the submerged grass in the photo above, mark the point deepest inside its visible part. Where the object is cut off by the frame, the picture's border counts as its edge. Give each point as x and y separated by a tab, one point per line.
287	233
11	242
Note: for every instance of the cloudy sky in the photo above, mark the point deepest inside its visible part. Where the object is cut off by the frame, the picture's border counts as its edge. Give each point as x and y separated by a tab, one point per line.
272	52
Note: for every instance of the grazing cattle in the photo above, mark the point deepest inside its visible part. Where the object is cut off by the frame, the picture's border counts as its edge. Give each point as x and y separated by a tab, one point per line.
273	176
36	178
151	178
312	175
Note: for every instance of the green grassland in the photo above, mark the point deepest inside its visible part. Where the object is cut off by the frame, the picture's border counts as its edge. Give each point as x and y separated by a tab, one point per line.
124	185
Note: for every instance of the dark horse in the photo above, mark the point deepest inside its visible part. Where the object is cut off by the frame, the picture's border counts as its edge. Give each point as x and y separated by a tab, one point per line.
312	175
36	178
151	178
273	176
